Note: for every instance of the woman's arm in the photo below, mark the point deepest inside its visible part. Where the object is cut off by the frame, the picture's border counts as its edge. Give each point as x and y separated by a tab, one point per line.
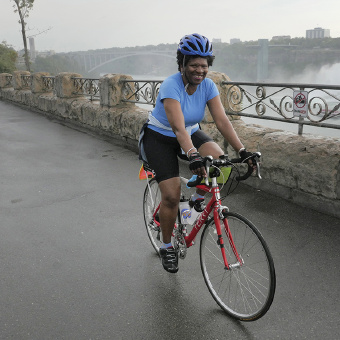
176	119
223	123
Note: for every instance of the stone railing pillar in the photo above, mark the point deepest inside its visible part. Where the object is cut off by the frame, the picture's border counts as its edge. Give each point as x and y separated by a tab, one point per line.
218	78
4	80
111	89
38	82
65	86
17	80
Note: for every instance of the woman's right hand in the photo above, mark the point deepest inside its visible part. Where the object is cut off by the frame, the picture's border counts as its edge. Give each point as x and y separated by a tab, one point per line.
196	164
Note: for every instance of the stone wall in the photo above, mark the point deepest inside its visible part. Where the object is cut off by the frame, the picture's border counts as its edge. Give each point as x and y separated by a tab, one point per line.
304	169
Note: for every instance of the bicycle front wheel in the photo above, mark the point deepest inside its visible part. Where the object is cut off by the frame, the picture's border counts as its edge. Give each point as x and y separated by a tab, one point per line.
151	201
245	290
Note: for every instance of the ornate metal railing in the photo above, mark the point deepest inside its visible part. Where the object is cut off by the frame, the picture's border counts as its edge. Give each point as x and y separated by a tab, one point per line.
302	104
9	80
49	83
26	80
87	87
141	91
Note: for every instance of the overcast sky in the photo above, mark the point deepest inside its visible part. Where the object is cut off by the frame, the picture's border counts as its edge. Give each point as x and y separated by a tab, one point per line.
91	24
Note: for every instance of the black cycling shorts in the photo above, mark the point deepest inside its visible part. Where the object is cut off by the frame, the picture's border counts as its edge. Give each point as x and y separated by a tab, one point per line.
162	152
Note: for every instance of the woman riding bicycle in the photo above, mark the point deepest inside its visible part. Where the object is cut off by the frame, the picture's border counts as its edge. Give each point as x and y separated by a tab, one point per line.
173	129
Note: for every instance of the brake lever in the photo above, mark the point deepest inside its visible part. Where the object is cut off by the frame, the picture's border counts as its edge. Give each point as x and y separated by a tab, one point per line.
207	169
257	163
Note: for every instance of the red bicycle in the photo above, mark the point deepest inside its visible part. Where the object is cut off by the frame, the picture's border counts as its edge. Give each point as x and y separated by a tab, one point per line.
236	263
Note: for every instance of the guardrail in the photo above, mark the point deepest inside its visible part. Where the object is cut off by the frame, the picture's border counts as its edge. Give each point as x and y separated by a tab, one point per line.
302	104
84	86
49	83
143	91
269	101
9	80
26	80
88	87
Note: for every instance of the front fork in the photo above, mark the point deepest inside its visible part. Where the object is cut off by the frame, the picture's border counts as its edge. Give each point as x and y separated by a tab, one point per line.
220	215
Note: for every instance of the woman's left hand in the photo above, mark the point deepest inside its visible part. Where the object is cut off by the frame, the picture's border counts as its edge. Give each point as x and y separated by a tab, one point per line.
245	157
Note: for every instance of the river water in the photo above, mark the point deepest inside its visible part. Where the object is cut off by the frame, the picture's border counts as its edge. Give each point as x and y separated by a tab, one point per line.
326	132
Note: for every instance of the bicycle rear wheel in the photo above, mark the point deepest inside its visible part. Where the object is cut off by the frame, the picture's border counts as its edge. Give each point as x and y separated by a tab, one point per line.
245	290
152	199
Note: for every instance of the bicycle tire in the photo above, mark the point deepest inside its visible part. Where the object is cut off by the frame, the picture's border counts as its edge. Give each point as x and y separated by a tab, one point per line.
151	200
244	292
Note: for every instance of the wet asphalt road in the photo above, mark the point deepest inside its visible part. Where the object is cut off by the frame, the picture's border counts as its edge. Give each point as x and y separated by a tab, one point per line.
76	263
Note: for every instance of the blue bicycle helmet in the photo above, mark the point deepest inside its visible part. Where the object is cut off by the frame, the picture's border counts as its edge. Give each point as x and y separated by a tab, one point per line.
195	44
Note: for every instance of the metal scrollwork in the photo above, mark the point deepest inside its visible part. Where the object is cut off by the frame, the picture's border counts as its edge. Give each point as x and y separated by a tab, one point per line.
48	83
8	81
86	86
261	92
286	107
148	93
317	107
335	111
128	89
26	80
260	108
142	92
235	97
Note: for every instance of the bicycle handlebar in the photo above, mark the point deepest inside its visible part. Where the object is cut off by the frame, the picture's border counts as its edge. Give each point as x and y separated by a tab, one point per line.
208	161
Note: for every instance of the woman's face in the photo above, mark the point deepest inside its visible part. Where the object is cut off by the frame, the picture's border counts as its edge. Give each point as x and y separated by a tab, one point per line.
196	70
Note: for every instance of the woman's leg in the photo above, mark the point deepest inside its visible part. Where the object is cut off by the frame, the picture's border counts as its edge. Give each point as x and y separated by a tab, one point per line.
170	191
161	152
209	149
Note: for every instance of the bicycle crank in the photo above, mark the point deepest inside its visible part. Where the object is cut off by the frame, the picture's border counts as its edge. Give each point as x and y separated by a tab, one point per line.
180	244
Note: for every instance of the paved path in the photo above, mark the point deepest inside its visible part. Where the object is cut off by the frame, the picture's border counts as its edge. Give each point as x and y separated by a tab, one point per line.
76	263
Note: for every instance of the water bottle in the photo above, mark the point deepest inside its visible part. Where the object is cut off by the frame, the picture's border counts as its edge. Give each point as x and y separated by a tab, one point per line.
188	214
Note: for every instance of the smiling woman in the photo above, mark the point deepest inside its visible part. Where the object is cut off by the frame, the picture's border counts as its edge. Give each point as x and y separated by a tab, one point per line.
173	131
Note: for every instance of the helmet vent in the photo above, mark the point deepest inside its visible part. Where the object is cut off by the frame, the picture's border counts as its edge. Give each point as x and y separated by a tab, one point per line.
192	46
200	45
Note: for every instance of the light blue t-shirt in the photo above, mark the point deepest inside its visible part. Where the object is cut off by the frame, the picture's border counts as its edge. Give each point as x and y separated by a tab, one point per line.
193	106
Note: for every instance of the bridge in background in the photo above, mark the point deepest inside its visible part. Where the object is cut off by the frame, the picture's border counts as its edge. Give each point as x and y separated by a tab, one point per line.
93	60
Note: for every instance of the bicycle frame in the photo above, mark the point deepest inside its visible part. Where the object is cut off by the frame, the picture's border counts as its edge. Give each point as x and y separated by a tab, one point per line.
215	206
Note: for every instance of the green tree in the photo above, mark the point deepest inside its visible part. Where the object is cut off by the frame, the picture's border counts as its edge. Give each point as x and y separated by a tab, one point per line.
23	7
8	58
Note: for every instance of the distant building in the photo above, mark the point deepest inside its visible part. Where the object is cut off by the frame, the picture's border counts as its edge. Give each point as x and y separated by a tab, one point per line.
216	40
32	48
318	33
281	37
235	41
